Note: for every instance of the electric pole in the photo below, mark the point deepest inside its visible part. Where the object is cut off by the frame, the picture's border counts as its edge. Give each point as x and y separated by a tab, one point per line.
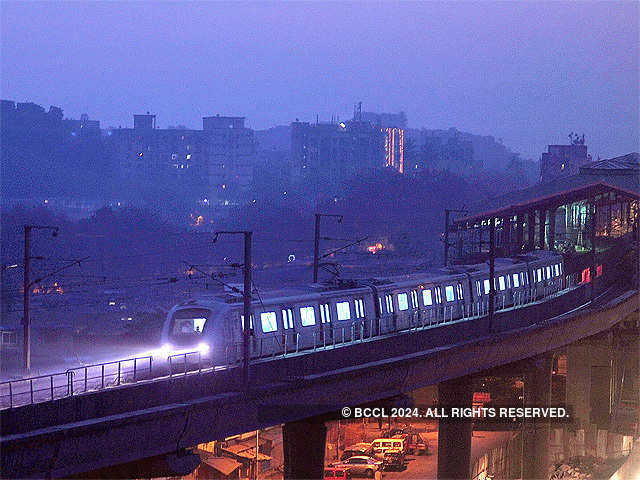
246	296
27	284
316	242
492	270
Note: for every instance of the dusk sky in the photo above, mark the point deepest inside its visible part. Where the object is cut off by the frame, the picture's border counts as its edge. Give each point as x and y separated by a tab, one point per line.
528	73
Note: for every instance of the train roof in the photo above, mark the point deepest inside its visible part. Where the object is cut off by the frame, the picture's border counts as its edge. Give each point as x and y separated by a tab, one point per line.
318	291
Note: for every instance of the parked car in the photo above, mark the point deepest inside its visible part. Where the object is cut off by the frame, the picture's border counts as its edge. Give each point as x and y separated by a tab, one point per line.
334	473
360	449
360	466
381	445
393	460
414	443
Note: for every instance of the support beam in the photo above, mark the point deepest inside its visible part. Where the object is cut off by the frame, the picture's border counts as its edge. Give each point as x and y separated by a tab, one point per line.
542	228
519	232
531	223
552	229
454	437
537	392
303	445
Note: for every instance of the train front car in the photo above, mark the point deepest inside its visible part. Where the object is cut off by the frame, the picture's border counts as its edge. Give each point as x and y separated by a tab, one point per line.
193	331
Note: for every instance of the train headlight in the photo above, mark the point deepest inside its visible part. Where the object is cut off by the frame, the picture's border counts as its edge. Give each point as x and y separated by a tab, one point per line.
203	348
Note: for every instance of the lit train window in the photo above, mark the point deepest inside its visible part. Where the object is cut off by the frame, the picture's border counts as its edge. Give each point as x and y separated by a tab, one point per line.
459	291
268	321
501	282
287	318
508	281
478	289
539	275
324	313
380	303
344	311
403	302
556	267
438	291
359	308
516	281
389	303
414	299
250	321
426	298
548	272
307	316
487	286
560	265
448	293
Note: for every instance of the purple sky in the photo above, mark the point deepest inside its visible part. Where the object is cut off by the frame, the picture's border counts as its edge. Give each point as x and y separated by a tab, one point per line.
528	73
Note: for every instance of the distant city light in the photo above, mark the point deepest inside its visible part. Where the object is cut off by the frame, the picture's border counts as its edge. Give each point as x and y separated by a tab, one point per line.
292	258
342	124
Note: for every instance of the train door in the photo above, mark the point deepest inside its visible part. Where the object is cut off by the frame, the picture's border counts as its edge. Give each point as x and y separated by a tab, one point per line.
415	309
349	327
371	323
289	336
267	337
326	326
403	316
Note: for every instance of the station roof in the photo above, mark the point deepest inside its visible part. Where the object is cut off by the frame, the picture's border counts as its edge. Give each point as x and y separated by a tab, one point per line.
626	165
523	200
619	174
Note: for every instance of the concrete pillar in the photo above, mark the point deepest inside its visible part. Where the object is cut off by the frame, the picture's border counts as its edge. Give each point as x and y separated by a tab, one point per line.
537	392
454	436
531	238
552	228
303	444
542	227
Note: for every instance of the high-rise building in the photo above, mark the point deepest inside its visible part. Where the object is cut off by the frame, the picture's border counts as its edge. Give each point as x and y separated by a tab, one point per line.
563	160
393	127
330	153
229	150
215	163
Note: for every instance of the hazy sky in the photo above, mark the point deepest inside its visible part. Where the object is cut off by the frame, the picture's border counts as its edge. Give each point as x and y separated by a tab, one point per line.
528	73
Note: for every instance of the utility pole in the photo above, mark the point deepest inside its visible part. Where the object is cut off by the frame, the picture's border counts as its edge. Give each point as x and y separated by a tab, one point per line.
246	296
447	213
316	242
492	270
27	284
592	211
26	321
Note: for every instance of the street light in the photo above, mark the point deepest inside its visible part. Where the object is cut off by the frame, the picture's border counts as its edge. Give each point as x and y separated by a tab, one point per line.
27	284
316	242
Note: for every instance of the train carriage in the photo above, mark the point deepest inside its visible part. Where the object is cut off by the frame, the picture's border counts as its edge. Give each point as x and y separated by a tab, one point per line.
295	320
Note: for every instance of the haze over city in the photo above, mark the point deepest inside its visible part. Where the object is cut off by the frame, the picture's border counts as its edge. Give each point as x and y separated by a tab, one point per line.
252	240
527	73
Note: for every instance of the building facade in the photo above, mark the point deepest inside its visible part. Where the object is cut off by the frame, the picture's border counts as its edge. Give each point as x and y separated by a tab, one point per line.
331	153
211	165
229	151
563	160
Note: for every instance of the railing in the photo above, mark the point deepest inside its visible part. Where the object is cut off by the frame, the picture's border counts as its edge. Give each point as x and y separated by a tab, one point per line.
185	357
104	375
45	388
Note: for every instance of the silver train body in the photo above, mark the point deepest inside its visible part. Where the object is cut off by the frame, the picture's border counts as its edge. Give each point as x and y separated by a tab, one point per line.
298	320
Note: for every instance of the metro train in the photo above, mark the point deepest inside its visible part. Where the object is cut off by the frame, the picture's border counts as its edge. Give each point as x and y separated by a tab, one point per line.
297	320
